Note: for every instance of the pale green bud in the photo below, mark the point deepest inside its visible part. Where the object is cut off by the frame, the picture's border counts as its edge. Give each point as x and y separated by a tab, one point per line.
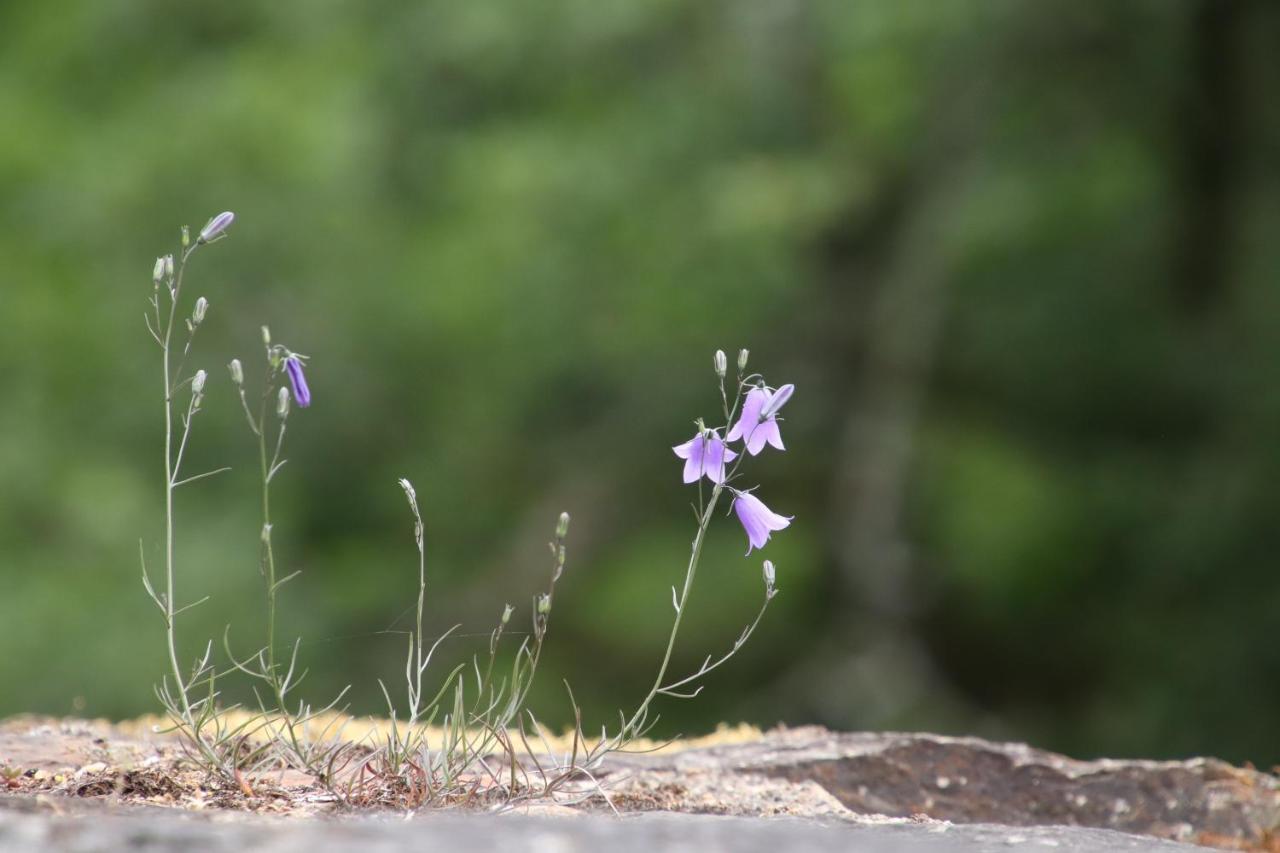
266	336
721	363
202	307
237	371
157	274
742	360
544	604
282	403
507	610
197	382
562	526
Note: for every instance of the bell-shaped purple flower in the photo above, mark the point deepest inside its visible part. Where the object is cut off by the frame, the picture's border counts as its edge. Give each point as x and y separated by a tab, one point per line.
301	393
705	453
757	425
757	519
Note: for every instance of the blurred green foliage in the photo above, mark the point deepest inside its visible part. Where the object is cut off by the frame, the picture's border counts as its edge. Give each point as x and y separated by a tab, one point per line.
1019	258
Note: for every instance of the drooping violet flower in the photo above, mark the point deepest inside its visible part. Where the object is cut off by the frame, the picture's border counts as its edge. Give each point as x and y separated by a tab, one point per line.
215	227
301	393
757	519
757	425
705	453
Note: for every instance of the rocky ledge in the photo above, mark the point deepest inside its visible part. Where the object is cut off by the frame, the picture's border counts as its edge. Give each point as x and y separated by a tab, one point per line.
828	790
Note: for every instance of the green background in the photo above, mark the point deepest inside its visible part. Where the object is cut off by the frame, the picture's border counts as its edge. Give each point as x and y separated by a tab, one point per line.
1020	260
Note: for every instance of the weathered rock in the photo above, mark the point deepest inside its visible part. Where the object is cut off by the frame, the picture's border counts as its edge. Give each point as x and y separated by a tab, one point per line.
902	785
72	826
969	780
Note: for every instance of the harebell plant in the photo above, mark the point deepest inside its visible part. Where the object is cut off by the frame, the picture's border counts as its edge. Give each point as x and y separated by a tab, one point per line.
472	738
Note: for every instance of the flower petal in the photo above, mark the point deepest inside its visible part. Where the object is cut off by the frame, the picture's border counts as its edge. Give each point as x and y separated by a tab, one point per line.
692	451
301	393
714	459
756	399
772	434
756	438
757	536
777	400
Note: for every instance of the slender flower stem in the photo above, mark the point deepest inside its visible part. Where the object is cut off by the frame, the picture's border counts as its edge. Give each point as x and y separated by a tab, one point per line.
278	686
633	726
637	719
188	718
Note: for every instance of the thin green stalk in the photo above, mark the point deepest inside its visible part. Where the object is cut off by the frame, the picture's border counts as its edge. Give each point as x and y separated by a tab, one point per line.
170	475
698	540
269	561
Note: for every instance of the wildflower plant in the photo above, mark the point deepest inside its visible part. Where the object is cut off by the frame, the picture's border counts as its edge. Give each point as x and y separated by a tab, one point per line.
472	738
706	455
189	698
282	373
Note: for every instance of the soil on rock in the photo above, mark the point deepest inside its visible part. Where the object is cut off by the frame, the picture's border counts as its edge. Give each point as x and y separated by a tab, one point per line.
854	779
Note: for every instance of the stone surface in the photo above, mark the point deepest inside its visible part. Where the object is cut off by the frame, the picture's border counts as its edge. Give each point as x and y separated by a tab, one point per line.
969	780
825	787
77	825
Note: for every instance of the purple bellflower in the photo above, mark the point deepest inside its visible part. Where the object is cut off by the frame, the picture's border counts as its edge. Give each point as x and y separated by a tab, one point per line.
757	519
757	425
301	393
705	453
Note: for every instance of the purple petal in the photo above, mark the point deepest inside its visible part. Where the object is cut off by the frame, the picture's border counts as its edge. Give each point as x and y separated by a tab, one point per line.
756	399
777	400
215	226
301	393
772	433
715	458
692	451
758	435
757	536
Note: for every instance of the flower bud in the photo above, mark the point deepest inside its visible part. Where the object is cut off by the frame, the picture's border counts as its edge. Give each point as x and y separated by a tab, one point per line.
776	401
266	336
562	526
770	574
544	604
168	266
742	360
237	371
507	610
282	403
202	307
197	382
215	227
157	274
721	363
186	236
